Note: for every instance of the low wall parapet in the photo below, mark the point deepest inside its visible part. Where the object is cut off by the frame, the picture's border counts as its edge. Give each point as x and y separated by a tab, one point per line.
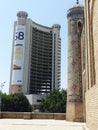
32	115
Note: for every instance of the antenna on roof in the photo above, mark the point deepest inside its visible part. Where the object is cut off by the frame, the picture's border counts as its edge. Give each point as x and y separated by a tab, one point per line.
77	2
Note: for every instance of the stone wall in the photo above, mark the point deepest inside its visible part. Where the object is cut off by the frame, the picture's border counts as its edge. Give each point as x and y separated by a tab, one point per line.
29	115
75	112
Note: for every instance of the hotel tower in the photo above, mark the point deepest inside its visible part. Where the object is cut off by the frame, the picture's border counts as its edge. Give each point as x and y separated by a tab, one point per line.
36	57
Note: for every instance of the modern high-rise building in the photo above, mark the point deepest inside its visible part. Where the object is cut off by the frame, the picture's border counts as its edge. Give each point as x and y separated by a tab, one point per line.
36	57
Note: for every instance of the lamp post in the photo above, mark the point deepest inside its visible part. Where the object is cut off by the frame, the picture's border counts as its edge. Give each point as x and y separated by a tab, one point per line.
1	87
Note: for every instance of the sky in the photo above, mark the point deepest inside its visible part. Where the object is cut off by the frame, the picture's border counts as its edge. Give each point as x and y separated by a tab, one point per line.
44	12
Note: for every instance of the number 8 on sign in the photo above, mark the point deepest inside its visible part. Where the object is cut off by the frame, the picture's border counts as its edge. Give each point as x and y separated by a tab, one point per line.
19	35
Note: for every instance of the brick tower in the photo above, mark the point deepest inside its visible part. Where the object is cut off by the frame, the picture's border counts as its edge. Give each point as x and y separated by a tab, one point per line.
75	17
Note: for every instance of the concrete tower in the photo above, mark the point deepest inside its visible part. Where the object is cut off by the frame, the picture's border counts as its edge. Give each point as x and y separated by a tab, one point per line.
36	57
75	17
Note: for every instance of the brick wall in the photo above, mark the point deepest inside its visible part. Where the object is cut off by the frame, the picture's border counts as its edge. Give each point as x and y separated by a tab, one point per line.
92	108
91	97
95	36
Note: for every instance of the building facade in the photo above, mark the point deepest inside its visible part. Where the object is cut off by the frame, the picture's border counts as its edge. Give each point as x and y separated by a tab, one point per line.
36	57
75	17
90	86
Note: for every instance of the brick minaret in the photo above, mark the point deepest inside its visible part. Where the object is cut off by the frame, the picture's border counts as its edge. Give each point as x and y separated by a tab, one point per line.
75	17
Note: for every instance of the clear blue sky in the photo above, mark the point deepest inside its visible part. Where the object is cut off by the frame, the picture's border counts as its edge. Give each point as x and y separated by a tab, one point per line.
45	12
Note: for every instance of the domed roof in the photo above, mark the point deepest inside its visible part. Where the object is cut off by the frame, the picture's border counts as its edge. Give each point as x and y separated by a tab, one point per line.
77	8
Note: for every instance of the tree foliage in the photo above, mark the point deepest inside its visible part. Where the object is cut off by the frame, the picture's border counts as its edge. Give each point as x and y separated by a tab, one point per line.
15	103
55	102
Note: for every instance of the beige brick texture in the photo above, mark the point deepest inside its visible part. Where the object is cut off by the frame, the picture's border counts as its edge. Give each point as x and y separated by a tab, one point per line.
95	36
74	112
92	108
91	96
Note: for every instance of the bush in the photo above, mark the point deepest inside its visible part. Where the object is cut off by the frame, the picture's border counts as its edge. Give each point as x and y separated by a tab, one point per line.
15	103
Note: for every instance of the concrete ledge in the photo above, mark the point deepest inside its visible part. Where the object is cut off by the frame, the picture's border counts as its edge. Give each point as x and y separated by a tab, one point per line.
19	115
12	115
0	115
42	116
9	115
27	115
59	116
30	115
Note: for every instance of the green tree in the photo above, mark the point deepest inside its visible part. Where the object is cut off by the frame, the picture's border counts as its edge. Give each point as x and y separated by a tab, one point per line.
15	103
55	102
6	102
